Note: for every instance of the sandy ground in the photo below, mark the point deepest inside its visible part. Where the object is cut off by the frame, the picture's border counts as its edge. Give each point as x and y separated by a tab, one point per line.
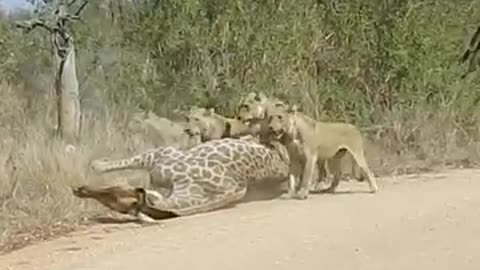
428	221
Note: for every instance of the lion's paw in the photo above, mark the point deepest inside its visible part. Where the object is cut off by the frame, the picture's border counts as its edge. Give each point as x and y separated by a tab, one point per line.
302	194
287	196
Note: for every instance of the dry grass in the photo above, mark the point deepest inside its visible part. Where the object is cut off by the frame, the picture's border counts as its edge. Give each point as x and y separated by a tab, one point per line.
420	140
36	172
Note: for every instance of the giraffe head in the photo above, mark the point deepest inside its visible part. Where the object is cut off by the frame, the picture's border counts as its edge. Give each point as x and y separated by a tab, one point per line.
123	199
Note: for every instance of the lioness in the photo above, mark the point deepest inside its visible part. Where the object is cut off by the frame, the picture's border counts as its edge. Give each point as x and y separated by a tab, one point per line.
209	125
253	110
318	141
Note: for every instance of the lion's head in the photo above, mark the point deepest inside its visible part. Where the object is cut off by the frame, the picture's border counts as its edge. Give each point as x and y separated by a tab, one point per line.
197	123
253	110
252	107
281	119
209	125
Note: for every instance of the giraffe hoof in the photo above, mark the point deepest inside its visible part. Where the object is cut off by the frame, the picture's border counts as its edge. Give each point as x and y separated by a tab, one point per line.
96	165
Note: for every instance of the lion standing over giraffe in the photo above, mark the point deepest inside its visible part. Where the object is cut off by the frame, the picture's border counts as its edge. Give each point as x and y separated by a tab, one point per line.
310	143
319	141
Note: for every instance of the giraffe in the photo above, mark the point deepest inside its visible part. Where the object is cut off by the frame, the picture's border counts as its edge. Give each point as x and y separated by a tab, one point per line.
202	125
206	177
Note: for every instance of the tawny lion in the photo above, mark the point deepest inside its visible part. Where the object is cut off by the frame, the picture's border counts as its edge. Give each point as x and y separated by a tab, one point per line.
318	141
253	110
209	125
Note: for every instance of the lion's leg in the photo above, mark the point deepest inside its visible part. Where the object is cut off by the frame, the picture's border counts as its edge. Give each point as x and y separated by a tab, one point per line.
292	180
335	169
322	180
359	158
307	175
357	173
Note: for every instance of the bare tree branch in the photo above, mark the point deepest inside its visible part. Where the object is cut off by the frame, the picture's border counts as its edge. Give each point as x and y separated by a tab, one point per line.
28	26
80	9
472	46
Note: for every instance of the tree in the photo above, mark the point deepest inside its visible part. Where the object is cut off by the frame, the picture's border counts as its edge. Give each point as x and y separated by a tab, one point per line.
66	82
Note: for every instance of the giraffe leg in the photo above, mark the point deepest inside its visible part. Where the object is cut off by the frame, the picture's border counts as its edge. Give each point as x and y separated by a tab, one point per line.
145	219
143	160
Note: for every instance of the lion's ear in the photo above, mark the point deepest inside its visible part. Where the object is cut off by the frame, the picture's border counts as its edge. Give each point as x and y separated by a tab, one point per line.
294	108
251	96
261	96
180	112
279	104
209	112
189	109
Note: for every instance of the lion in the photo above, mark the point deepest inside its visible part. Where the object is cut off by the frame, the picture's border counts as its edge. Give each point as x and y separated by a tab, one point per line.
253	111
209	125
314	140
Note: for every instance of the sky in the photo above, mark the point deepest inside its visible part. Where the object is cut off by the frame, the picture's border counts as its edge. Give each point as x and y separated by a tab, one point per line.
11	4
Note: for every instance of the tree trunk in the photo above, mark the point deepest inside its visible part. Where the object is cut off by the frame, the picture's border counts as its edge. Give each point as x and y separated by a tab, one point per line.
67	94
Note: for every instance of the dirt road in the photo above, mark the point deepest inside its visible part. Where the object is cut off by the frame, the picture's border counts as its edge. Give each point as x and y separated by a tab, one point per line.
430	221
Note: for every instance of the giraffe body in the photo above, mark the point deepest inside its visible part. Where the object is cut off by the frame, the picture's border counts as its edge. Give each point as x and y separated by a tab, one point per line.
207	176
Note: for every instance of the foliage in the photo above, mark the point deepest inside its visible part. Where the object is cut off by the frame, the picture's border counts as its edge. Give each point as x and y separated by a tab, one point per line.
350	60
